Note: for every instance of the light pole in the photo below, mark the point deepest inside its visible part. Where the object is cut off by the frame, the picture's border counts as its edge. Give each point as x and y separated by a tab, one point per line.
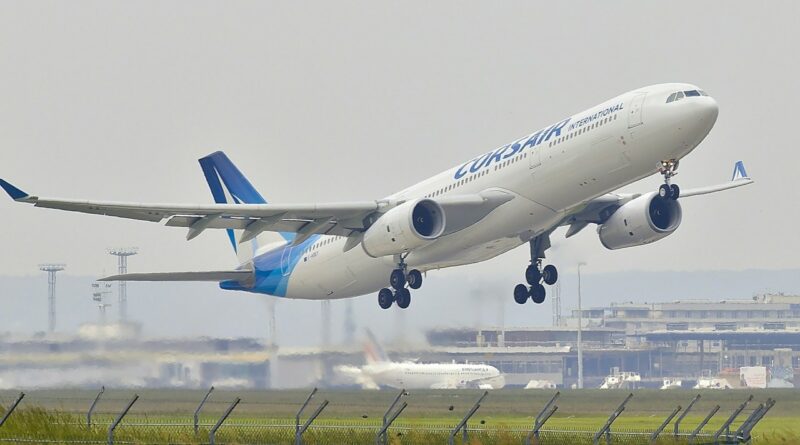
580	330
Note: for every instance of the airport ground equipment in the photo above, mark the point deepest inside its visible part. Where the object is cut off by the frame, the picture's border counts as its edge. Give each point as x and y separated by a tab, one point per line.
92	407
606	429
213	433
654	436
541	418
389	417
743	433
122	414
11	408
298	429
683	414
726	427
702	424
463	424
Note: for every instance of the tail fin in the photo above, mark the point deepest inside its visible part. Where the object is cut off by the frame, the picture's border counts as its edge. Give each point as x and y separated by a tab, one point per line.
229	185
373	352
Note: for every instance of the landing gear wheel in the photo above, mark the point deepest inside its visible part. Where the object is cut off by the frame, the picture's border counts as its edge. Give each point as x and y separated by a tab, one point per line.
397	279
675	191
537	293
550	274
414	279
403	298
532	274
665	191
385	298
521	293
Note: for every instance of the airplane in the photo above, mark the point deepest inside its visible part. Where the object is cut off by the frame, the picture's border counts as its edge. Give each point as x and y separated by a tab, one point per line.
379	372
563	174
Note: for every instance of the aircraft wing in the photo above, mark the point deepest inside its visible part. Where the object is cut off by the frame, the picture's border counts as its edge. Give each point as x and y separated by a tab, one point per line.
599	209
304	219
342	219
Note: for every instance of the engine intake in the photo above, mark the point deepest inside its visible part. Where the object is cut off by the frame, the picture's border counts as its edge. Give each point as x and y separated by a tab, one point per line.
643	220
405	227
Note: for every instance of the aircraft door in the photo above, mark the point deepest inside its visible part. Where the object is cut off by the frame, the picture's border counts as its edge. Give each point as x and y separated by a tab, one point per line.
635	110
535	156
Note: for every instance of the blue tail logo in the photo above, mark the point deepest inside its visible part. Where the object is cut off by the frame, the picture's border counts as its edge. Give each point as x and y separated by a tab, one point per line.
739	171
217	166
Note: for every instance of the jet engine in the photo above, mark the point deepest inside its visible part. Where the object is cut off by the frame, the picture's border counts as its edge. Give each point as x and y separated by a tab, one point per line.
641	221
405	227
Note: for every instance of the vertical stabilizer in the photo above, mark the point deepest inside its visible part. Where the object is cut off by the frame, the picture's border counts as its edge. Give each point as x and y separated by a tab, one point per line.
373	352
229	186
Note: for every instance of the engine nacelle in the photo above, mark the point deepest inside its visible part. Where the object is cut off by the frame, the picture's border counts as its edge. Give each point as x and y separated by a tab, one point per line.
641	221
405	227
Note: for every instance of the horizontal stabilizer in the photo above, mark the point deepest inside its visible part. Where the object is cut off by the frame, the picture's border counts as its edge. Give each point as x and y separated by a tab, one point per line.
222	275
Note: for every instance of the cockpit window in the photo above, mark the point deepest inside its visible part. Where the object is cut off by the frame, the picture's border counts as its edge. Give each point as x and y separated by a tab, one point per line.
681	94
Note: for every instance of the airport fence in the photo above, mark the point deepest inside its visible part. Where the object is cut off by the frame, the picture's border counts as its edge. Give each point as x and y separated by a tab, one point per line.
32	423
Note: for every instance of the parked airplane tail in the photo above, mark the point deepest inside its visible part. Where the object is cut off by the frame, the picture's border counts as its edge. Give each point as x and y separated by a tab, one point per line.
373	352
229	186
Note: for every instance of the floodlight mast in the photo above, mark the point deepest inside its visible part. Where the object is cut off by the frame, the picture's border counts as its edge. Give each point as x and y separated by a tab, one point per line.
51	270
122	254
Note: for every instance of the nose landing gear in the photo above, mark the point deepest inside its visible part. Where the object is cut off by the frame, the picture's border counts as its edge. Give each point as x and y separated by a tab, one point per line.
668	169
398	280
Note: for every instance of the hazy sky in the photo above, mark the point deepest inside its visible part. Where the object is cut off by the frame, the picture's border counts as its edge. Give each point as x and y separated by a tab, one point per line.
333	101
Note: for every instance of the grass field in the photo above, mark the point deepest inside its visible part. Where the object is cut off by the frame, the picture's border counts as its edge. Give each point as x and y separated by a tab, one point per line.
166	415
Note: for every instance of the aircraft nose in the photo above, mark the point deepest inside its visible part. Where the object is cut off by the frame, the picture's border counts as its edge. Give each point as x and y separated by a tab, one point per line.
709	108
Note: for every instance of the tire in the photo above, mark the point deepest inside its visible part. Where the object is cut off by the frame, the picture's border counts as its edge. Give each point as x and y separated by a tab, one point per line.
414	279
532	275
521	294
403	298
664	191
674	191
385	298
550	274
397	280
538	293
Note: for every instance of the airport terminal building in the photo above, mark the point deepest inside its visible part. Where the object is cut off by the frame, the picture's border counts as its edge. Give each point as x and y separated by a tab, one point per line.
679	340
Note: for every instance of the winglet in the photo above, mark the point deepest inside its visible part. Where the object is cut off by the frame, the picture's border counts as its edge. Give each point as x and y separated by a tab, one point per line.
738	171
12	191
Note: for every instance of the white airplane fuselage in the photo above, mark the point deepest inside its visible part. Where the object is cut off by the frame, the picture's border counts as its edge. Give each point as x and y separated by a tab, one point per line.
433	375
550	173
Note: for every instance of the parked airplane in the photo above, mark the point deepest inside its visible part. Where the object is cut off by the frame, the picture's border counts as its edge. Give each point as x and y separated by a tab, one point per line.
379	371
561	175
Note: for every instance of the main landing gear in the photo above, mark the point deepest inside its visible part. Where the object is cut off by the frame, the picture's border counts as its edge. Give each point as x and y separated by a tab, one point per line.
668	169
398	280
535	274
